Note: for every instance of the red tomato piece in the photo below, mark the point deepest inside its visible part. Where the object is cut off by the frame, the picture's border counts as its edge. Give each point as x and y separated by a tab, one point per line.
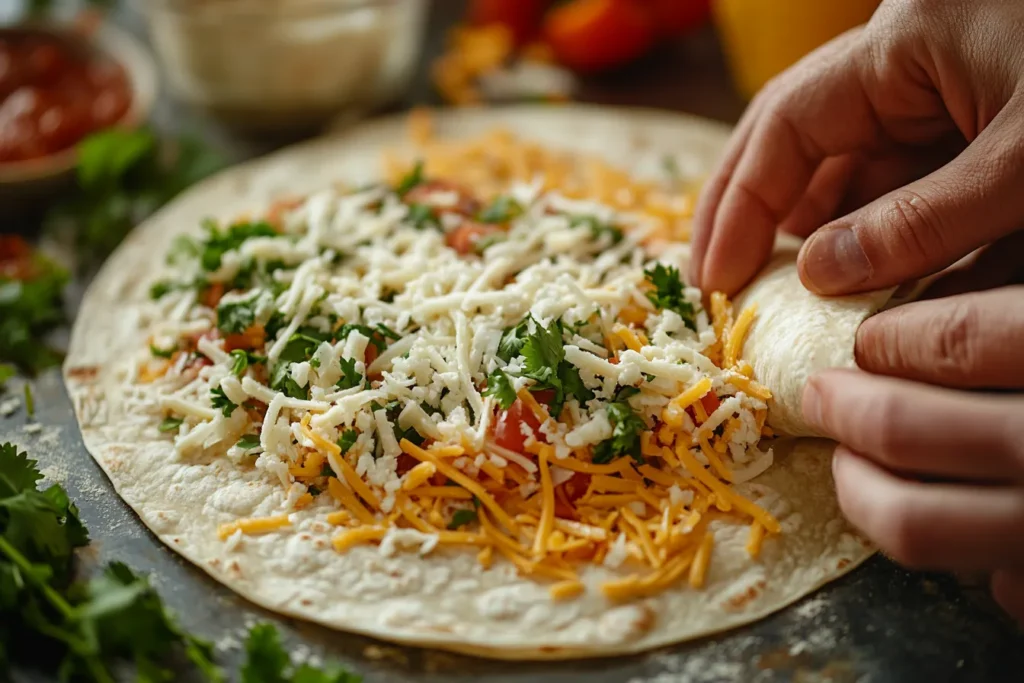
710	402
590	35
465	204
576	486
521	17
463	239
16	258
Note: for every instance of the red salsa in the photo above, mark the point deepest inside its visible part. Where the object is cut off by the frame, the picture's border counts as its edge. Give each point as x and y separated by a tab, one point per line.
53	93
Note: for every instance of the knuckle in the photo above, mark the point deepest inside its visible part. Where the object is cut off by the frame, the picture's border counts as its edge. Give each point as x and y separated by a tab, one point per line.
915	229
954	350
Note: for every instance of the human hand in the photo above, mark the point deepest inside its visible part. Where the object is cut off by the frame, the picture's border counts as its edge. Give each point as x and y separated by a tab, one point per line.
902	138
935	476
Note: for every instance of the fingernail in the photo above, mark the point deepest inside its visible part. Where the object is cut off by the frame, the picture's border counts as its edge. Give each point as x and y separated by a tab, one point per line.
833	261
810	405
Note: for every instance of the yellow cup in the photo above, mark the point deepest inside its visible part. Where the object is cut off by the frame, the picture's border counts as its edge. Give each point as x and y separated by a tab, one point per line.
762	38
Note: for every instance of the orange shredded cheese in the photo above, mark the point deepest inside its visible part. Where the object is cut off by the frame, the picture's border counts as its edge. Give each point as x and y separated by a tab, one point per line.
256	525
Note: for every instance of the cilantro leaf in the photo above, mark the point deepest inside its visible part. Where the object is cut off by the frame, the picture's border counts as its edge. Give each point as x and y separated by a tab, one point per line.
502	210
413	178
267	661
512	340
461	518
569	375
17	472
248	442
235	317
597	227
543	350
387	332
239	361
350	376
29	309
347	440
500	387
163	353
221	402
423	216
170	424
218	243
669	293
626	429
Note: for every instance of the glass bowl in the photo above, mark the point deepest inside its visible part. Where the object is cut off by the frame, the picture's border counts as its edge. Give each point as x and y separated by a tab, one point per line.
286	64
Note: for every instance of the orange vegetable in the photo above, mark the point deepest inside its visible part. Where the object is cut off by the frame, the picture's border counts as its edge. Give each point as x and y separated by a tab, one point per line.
590	35
522	17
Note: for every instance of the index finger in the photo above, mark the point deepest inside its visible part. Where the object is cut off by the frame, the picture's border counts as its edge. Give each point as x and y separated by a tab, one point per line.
819	109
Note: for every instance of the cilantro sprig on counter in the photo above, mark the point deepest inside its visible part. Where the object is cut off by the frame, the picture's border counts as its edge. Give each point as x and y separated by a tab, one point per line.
31	305
543	352
669	293
111	623
123	176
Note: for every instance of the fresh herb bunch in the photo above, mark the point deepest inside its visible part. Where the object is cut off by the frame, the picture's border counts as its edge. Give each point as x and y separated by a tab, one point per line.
31	305
123	176
115	620
670	293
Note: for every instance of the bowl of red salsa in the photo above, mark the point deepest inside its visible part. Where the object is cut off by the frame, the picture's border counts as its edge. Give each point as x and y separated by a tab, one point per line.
59	84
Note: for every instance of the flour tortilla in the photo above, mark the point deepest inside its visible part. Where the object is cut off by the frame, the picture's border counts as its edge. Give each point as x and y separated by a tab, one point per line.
444	599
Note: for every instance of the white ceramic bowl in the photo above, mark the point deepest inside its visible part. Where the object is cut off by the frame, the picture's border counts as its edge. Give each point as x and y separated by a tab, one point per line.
279	65
26	184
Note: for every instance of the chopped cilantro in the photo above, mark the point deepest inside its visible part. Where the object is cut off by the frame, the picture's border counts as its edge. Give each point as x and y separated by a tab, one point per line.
267	661
29	309
326	470
387	332
413	178
462	518
217	243
350	376
170	424
502	210
347	440
669	293
626	429
313	490
221	402
249	441
160	289
163	353
239	361
122	177
500	387
30	400
512	340
597	227
422	216
235	317
544	355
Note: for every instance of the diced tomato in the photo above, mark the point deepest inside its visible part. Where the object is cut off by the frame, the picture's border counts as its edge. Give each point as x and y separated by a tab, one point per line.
463	239
576	486
466	204
405	463
710	402
16	258
371	354
521	17
590	35
252	338
508	432
211	295
679	17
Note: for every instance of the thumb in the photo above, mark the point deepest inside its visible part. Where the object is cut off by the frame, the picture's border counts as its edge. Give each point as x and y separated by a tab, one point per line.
929	224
